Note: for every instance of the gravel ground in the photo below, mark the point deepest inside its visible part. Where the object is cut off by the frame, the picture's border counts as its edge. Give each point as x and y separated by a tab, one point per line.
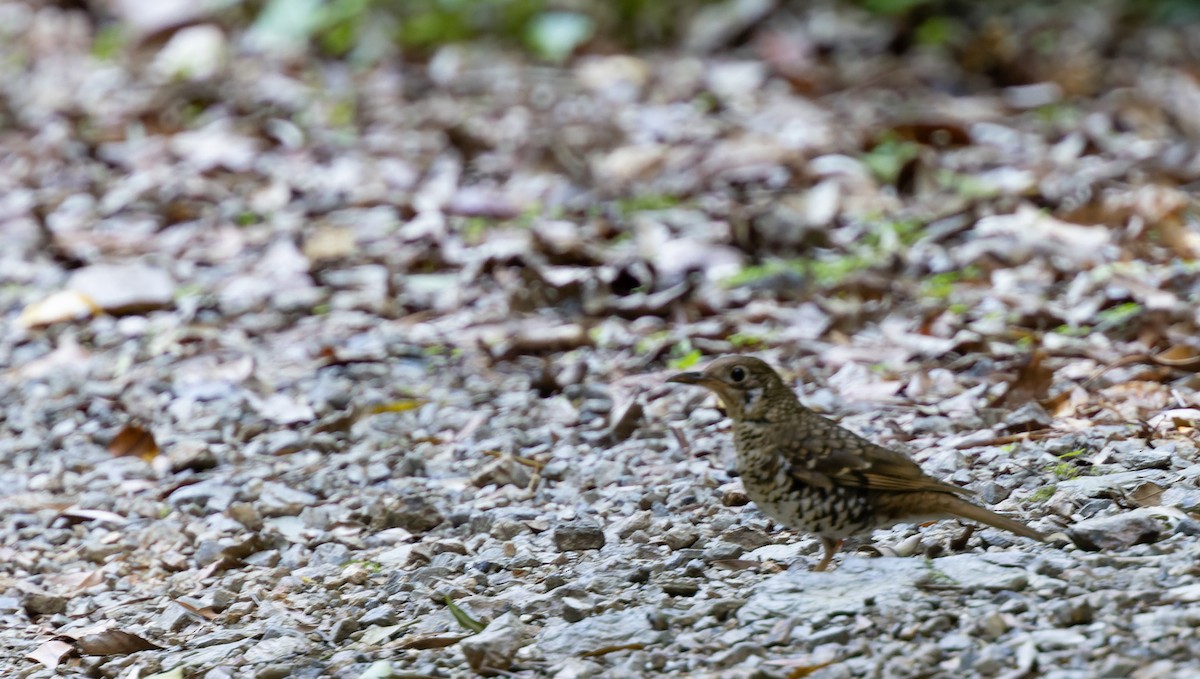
320	372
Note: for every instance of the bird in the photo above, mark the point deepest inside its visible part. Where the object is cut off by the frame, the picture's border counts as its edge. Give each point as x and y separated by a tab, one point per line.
808	473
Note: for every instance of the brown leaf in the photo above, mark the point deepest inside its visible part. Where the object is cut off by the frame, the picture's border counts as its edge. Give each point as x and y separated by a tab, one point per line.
1031	384
1147	495
97	640
1175	234
207	612
425	641
1179	356
611	649
232	555
133	441
627	421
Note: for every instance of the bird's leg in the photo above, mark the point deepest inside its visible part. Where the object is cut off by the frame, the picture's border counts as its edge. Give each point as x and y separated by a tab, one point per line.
831	547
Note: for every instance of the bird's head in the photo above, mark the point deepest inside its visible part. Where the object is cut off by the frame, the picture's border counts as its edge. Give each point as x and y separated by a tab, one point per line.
748	388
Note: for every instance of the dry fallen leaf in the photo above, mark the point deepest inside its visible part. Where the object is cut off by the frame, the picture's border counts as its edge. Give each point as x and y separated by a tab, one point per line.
74	516
103	639
51	653
1179	356
133	441
1147	494
207	612
62	306
232	555
113	642
1031	384
420	642
611	649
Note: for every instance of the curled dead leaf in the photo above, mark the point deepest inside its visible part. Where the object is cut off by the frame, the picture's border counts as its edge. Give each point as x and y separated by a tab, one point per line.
1179	356
62	306
134	441
102	639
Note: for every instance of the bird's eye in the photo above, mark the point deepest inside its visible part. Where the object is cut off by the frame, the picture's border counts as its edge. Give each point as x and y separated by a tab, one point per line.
737	374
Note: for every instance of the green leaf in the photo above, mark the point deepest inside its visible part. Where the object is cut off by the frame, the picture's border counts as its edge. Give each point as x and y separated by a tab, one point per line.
465	621
398	406
887	158
744	339
685	361
1120	314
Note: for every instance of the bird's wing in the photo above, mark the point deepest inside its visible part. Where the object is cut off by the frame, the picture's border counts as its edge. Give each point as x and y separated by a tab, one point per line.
824	453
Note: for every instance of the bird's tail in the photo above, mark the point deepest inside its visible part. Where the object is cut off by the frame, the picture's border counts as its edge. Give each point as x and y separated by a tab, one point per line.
966	510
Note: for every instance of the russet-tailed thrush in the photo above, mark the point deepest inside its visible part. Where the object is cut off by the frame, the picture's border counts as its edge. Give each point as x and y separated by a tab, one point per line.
808	473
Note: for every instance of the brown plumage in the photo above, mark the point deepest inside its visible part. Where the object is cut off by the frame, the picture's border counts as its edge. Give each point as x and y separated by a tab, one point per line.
808	473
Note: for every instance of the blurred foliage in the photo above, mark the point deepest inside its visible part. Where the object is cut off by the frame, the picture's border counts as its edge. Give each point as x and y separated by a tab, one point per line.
555	29
545	28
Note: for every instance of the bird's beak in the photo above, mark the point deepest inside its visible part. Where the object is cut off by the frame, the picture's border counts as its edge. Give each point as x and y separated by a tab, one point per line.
688	378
